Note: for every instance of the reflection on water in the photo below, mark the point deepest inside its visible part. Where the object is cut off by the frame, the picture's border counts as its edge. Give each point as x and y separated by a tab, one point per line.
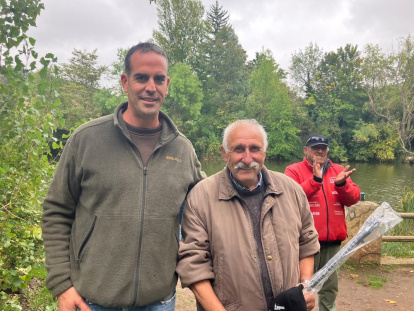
380	182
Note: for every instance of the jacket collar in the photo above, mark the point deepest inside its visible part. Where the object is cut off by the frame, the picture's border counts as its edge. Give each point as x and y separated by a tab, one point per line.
169	130
307	164
242	188
227	191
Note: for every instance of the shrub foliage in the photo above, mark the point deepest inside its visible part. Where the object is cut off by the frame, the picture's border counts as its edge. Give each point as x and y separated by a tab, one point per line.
28	117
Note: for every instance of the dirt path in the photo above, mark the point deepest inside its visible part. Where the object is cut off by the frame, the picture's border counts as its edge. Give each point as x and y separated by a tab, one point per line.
357	290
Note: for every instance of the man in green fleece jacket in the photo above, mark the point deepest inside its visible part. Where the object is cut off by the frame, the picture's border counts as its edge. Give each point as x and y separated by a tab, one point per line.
111	217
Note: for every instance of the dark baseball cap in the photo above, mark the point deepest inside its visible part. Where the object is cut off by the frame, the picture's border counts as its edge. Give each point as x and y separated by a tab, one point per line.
314	140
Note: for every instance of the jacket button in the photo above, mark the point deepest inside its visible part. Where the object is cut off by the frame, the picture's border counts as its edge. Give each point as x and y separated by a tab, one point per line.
269	258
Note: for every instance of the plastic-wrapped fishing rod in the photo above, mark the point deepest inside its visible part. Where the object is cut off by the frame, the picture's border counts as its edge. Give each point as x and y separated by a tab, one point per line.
379	222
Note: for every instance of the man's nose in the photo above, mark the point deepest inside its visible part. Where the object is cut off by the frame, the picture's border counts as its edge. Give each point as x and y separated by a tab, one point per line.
150	86
247	157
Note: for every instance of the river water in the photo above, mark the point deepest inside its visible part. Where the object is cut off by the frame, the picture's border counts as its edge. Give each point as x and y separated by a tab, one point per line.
379	182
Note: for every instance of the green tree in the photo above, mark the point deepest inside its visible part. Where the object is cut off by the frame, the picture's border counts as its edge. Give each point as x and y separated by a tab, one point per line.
115	71
108	98
181	29
222	71
29	116
270	103
338	98
79	81
374	142
208	137
218	18
223	68
303	68
263	85
302	72
185	97
389	84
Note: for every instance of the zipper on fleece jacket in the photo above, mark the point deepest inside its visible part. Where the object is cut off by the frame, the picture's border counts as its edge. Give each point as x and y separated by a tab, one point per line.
141	233
144	186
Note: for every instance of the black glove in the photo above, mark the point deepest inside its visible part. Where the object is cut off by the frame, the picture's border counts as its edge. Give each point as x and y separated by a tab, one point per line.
290	300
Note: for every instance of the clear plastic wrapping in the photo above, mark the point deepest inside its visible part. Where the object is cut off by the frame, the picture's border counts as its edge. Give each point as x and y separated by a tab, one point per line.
379	222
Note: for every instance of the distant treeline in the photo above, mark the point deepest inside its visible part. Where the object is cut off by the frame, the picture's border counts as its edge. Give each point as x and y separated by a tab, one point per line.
362	100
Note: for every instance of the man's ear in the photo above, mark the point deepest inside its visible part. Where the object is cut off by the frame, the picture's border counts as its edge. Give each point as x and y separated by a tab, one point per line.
223	153
124	80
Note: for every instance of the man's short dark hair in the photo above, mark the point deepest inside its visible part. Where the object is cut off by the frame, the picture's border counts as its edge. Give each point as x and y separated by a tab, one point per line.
145	47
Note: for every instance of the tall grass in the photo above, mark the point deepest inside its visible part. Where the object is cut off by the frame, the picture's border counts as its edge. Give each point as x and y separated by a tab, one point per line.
404	228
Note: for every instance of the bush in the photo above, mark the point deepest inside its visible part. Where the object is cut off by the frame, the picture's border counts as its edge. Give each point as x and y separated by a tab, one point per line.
28	117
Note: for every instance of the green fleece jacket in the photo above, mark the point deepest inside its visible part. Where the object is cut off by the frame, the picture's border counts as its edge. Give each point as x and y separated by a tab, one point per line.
110	225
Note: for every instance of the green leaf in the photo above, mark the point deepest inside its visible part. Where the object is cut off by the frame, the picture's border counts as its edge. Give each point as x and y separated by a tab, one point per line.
32	41
34	54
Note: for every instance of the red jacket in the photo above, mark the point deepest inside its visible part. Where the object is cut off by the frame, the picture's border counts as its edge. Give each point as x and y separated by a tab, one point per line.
326	200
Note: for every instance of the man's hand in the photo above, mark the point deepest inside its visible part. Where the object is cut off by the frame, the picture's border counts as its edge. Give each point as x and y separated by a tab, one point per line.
310	301
317	167
342	176
204	294
70	299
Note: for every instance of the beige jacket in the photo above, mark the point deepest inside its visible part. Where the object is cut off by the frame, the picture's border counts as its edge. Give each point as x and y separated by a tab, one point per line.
218	242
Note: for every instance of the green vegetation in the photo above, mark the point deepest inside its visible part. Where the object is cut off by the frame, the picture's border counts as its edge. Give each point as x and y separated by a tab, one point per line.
37	296
29	115
376	281
404	228
362	100
360	272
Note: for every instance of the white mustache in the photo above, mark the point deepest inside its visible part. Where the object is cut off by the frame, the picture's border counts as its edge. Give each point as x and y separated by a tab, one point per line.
243	166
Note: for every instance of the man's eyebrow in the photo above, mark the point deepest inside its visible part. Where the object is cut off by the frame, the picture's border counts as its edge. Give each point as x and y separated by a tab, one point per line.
160	76
240	145
140	75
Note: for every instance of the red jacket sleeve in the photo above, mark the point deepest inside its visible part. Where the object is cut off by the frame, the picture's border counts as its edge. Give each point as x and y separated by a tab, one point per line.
307	183
349	194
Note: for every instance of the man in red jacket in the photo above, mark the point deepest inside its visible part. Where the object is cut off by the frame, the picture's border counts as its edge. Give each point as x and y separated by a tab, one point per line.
329	188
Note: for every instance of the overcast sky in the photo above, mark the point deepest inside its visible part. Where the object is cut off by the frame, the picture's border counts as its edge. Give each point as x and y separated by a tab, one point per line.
283	26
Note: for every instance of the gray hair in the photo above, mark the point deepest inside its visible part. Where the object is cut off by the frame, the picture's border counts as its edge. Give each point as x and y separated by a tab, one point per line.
231	126
145	47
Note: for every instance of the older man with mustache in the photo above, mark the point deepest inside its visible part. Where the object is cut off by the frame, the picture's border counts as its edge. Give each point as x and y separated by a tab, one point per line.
248	233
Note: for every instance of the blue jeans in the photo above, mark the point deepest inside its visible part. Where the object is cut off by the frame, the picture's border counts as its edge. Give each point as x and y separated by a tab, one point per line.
165	305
